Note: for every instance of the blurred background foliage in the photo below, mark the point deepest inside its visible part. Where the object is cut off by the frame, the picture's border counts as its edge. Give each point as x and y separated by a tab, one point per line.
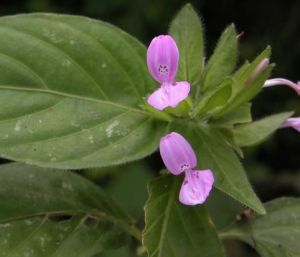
273	167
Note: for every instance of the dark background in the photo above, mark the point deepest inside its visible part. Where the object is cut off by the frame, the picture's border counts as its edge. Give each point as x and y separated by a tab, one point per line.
273	167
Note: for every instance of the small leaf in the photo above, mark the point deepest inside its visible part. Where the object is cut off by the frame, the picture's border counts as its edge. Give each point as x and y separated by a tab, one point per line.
48	211
173	229
241	114
275	234
74	93
223	60
246	93
215	152
243	74
257	131
187	30
214	99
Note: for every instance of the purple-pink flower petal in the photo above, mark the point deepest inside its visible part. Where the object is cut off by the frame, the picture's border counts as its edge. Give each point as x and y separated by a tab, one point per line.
293	123
196	186
281	81
169	95
162	58
177	153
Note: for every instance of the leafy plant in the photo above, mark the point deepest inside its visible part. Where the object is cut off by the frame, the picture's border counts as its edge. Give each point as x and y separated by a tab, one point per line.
72	96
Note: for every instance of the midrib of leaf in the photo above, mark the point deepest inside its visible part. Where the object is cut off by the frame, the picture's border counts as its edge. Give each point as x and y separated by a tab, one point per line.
166	220
83	98
184	226
220	168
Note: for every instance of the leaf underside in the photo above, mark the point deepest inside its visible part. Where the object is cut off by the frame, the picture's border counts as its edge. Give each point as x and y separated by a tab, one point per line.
56	213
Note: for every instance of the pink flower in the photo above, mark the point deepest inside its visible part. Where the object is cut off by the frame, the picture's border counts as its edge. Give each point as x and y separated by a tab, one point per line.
162	61
293	123
179	157
281	81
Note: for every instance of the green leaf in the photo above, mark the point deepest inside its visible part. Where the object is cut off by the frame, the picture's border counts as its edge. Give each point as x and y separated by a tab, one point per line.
56	213
241	114
243	75
214	99
187	30
275	234
246	93
257	131
129	180
174	229
215	152
73	93
217	203
223	60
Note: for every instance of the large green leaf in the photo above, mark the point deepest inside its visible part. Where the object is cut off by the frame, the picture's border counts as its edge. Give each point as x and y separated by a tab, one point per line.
275	234
187	30
70	88
56	213
223	60
215	152
173	229
257	131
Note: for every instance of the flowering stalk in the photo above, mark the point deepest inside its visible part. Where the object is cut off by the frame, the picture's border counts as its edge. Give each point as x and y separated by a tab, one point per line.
179	157
162	62
281	81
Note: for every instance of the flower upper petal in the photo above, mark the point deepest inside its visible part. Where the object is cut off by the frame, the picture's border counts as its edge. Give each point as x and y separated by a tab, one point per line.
196	186
177	153
162	58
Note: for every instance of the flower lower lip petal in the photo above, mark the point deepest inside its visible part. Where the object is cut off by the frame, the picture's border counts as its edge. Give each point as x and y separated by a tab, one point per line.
196	187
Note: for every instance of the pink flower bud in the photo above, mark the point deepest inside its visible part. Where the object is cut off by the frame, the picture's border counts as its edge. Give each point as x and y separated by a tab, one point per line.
196	187
260	67
177	153
162	58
